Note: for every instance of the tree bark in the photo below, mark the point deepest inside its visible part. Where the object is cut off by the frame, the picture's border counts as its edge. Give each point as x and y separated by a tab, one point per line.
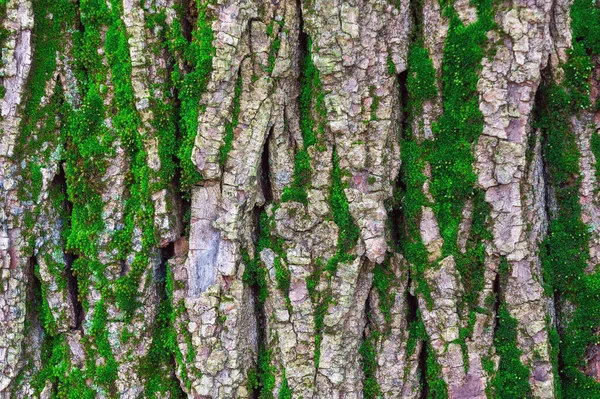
299	199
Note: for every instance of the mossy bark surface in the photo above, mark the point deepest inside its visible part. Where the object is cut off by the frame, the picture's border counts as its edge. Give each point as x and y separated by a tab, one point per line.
316	199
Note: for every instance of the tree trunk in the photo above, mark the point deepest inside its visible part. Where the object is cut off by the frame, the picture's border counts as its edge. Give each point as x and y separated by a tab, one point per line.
299	199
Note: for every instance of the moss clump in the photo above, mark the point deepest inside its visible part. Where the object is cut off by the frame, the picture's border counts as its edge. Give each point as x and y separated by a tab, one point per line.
311	107
284	390
436	387
98	346
38	145
421	87
421	80
283	277
255	274
461	123
55	357
382	281
321	301
275	45
554	339
585	25
471	266
565	251
371	389
261	381
322	304
190	83
3	32
163	351
348	232
374	103
68	382
450	157
471	263
139	207
411	244
163	104
512	378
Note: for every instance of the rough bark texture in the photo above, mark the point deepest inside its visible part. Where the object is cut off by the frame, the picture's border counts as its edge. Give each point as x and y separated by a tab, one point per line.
299	199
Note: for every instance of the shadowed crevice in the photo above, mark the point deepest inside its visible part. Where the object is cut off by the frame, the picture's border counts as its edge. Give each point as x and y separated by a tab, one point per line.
264	170
73	284
59	186
190	16
423	372
496	292
166	253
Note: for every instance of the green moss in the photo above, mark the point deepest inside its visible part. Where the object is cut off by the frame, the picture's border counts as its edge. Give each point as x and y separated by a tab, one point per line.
382	281
348	232
416	332
275	45
261	381
371	389
232	124
585	25
471	263
164	351
98	346
461	122
512	379
284	390
322	304
414	199
283	277
255	274
391	66
38	143
421	87
89	144
374	103
554	339
565	251
139	208
312	108
421	79
163	105
348	235
449	154
85	157
68	382
190	84
4	33
437	387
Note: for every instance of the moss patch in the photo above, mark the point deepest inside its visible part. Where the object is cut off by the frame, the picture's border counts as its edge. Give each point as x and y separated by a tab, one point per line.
312	109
